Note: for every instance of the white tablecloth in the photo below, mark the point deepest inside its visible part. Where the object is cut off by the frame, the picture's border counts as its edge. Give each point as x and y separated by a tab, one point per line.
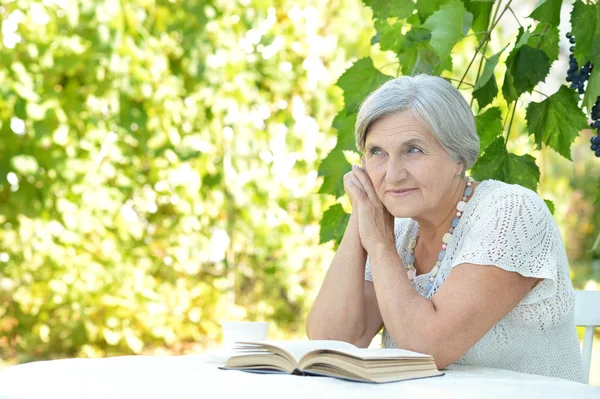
197	376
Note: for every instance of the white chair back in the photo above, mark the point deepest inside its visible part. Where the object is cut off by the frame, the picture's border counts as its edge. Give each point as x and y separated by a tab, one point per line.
587	314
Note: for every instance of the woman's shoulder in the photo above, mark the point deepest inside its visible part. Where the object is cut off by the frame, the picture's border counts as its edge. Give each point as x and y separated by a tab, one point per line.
495	194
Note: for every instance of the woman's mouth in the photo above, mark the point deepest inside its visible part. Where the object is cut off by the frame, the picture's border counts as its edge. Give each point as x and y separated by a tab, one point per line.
402	192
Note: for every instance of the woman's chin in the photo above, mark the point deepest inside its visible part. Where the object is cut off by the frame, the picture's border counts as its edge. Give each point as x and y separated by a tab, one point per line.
400	210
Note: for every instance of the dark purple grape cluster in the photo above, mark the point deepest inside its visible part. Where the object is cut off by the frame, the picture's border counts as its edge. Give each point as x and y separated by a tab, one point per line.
596	125
577	76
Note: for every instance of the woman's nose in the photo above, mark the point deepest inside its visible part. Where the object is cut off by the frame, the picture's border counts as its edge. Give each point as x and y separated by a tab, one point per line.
396	172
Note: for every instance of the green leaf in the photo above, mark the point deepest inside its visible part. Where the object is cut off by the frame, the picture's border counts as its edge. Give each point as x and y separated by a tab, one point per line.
522	37
585	20
391	37
547	11
448	26
508	88
550	206
481	15
598	194
388	36
556	121
333	224
426	61
592	92
344	124
419	57
525	68
359	81
427	7
489	126
333	168
383	9
497	163
546	38
486	89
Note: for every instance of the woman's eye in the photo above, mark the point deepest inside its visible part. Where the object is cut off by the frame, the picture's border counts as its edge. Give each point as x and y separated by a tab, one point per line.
375	151
414	150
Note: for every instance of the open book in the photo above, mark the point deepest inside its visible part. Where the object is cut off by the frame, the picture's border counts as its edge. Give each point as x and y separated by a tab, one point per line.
332	359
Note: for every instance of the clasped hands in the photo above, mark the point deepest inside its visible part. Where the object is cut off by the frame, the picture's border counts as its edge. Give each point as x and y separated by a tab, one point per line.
375	222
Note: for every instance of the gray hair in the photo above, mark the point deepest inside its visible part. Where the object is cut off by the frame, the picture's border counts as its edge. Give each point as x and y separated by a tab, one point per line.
435	103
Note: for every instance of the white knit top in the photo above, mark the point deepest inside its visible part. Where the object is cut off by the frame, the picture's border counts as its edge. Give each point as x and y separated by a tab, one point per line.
510	227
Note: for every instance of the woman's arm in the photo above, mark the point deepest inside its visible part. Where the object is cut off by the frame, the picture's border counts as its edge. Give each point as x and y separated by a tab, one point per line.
469	303
346	307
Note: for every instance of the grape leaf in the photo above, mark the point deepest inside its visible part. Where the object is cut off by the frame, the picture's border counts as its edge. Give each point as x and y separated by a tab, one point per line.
344	124
448	26
428	62
598	196
525	68
333	225
545	37
508	89
391	37
550	206
388	36
333	168
556	121
585	20
592	92
481	16
427	7
486	88
497	163
358	81
489	126
384	9
547	11
486	93
417	55
522	37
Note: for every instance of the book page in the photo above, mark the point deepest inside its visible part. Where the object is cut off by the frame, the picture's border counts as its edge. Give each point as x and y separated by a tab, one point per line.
297	349
386	353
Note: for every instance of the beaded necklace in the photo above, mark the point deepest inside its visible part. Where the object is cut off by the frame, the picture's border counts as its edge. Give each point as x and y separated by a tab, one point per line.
409	260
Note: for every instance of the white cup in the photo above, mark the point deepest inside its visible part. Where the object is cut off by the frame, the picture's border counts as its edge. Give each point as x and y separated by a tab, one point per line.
243	331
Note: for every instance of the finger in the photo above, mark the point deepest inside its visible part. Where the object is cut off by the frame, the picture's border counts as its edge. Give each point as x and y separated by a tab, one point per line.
355	187
365	181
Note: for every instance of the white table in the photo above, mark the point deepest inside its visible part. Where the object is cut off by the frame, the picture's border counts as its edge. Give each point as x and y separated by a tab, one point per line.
196	376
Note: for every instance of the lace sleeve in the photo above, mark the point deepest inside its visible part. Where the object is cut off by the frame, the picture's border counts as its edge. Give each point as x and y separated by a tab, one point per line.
368	276
516	232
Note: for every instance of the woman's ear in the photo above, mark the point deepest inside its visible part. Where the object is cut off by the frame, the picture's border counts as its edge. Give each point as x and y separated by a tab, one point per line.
461	168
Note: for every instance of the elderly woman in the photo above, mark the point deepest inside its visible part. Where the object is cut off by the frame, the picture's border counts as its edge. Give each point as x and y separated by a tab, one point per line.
474	273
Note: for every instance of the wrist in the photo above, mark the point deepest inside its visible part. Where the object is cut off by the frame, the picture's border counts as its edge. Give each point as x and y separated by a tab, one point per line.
383	250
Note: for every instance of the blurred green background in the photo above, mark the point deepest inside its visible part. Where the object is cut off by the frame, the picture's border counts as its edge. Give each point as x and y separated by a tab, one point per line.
158	170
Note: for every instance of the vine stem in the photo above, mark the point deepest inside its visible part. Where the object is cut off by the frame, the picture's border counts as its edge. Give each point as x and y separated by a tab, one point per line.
483	53
456	80
514	15
511	121
483	41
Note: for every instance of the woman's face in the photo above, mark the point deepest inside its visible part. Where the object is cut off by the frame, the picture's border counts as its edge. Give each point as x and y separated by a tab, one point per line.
412	173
